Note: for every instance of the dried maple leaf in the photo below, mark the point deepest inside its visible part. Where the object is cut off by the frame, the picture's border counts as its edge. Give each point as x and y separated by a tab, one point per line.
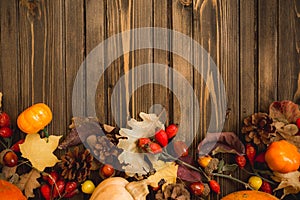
134	160
28	182
289	182
39	151
166	171
284	111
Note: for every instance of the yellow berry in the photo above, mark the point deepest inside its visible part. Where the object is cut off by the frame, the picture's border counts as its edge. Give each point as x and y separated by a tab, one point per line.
255	182
204	160
88	187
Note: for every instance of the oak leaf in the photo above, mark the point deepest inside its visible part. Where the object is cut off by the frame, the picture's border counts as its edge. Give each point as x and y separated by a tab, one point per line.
133	159
39	151
289	182
28	182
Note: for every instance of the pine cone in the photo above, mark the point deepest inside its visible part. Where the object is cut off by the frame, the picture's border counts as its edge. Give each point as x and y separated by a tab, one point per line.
259	128
173	191
76	164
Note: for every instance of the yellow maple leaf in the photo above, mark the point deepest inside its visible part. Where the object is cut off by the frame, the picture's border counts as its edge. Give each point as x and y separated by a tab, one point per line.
166	171
39	151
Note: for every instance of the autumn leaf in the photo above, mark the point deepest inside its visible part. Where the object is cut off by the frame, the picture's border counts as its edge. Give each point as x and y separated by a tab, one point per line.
135	161
284	111
225	142
39	151
166	171
28	182
8	172
289	182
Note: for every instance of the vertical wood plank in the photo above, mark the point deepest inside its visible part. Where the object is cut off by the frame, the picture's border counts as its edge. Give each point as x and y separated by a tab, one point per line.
248	58
229	67
206	33
161	94
54	74
182	22
142	99
119	18
267	53
75	49
9	65
288	48
248	63
25	53
95	34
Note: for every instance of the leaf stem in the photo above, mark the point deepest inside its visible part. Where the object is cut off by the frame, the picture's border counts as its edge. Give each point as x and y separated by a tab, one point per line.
234	179
3	145
254	173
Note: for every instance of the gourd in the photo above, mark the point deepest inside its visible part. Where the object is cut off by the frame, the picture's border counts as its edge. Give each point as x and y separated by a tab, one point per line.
10	191
249	195
117	188
34	118
282	156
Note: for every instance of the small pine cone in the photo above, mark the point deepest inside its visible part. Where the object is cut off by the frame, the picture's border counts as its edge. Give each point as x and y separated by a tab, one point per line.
76	165
259	128
173	191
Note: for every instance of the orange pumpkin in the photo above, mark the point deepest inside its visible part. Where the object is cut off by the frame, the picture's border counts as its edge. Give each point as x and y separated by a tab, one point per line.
282	156
34	118
249	195
10	191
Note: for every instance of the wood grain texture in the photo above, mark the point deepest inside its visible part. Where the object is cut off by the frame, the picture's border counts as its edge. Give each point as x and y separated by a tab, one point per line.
9	57
254	44
288	48
267	53
182	102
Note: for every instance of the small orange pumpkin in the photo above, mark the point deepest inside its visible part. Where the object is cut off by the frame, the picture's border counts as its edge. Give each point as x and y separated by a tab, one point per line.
34	118
282	156
249	195
10	191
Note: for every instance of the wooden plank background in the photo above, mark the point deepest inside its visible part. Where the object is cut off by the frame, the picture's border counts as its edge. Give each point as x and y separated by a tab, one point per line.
255	44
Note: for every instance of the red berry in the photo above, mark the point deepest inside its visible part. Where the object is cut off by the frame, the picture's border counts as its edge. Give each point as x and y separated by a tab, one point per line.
53	177
298	123
6	132
58	188
266	187
10	159
180	148
214	186
70	186
107	171
250	152
162	138
154	148
46	191
143	142
261	157
171	130
240	161
16	147
4	119
197	188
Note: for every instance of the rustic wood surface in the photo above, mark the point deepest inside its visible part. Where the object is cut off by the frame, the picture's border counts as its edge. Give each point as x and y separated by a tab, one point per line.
255	44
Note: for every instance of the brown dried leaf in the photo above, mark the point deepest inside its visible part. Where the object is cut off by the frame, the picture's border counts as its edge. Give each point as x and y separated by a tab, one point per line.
225	142
28	182
289	182
284	111
7	172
